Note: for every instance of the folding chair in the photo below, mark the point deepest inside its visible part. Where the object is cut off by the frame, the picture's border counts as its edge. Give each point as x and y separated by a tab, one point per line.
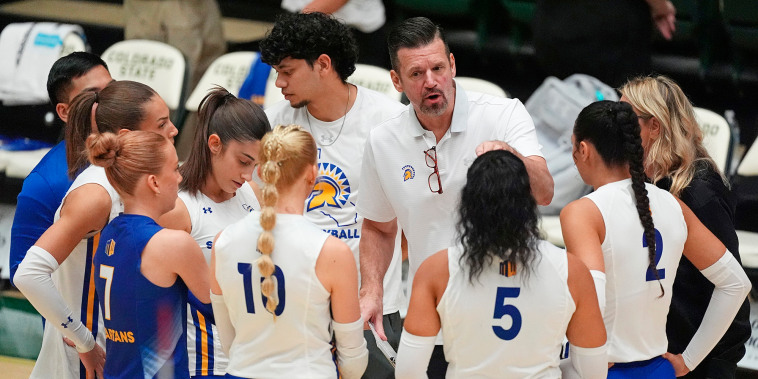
749	240
228	71
717	137
375	78
480	85
156	64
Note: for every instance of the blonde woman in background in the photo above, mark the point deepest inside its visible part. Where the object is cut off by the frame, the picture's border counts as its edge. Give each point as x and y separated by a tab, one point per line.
676	160
276	306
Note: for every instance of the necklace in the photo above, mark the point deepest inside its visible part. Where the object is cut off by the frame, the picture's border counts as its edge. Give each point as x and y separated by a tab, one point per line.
327	139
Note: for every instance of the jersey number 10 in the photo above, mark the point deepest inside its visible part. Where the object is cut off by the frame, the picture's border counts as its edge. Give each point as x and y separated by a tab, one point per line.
246	269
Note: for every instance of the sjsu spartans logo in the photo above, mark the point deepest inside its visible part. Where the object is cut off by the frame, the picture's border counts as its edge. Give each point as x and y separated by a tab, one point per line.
408	173
332	188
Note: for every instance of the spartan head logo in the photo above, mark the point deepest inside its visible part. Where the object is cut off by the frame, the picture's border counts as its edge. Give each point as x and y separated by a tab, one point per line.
408	173
332	188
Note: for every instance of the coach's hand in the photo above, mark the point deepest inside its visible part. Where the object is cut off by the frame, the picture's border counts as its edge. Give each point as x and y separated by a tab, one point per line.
494	145
94	361
371	311
680	369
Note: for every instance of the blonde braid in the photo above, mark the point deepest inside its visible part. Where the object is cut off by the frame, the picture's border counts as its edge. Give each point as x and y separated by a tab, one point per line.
270	173
285	153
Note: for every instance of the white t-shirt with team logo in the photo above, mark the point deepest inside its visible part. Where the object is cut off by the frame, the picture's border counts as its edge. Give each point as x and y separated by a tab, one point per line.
208	218
331	205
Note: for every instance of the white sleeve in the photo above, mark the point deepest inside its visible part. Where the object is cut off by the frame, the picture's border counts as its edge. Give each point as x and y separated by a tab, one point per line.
372	203
352	354
732	285
413	356
34	280
589	363
598	277
226	330
519	131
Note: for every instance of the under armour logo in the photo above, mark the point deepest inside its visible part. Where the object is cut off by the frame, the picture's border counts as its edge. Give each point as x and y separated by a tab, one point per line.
66	324
207	210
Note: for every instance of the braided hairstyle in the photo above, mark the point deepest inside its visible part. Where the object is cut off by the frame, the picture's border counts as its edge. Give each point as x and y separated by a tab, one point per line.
614	131
286	152
484	233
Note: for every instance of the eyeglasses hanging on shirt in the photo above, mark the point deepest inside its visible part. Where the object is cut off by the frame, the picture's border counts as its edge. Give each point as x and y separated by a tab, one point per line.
431	161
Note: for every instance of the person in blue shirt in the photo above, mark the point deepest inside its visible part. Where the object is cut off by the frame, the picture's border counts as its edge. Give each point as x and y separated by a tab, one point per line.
143	271
44	188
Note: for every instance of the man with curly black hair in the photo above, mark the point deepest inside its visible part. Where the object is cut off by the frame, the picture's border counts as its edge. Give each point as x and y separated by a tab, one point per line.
313	55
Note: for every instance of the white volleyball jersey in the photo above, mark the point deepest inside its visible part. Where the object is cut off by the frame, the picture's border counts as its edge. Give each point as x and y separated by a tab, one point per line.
75	281
524	338
331	205
208	218
297	343
635	312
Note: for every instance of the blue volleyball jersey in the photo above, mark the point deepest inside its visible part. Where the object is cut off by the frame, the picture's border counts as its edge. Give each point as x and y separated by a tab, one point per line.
144	324
40	196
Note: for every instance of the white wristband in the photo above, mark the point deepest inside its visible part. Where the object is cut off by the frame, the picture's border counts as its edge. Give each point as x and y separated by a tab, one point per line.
34	280
413	355
352	354
591	362
732	285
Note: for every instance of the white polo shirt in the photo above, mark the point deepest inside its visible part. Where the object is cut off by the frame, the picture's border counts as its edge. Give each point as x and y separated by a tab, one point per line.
394	178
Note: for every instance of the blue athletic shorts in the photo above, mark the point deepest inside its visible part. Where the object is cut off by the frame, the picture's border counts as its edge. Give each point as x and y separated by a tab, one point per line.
656	368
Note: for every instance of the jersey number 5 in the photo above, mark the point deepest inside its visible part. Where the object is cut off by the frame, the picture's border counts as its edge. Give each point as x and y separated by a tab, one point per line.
246	269
658	252
503	309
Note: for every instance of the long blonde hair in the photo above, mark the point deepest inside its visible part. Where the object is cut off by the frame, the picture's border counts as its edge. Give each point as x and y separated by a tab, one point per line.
678	149
285	153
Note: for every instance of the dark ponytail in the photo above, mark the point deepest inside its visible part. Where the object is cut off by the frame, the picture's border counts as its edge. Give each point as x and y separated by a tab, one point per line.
614	131
230	118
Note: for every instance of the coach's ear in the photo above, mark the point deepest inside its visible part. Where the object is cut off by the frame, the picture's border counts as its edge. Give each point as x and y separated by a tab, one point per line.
396	81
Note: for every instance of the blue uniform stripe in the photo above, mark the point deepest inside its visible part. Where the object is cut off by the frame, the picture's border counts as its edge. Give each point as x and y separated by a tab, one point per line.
211	345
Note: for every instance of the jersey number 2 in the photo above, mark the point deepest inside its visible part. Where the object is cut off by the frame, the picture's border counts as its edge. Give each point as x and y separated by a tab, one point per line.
246	269
503	309
658	252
